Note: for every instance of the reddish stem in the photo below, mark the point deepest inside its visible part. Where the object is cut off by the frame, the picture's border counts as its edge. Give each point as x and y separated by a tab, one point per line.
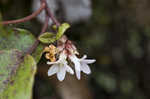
48	11
51	15
34	46
33	15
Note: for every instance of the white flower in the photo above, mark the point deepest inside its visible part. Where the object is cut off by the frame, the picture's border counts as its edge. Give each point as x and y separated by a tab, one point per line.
60	67
81	64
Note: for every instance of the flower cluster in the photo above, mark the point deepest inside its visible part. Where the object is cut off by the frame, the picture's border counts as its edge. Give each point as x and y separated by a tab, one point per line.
66	52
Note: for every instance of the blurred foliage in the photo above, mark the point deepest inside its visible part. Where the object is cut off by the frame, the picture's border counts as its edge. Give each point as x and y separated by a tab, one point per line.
121	46
117	36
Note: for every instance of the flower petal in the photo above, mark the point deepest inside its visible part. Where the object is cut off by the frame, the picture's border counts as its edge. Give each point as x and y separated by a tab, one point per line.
50	63
62	56
78	74
52	70
61	73
88	61
69	69
76	62
85	68
84	57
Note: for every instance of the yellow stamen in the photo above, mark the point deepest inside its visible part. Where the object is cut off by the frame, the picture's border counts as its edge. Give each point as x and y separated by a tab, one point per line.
51	52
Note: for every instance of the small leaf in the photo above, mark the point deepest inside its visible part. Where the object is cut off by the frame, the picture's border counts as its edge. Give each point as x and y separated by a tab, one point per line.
51	37
61	30
16	75
47	38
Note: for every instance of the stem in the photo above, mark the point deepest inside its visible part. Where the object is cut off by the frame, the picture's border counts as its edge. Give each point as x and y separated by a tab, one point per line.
34	46
52	17
54	20
33	15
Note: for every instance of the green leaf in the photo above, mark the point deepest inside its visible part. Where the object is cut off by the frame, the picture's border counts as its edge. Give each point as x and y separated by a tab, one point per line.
16	75
61	30
47	37
18	39
51	37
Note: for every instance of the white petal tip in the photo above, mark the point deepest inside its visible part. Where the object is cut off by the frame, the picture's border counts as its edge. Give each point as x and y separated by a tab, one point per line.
84	56
78	75
78	78
49	63
72	73
69	69
93	60
60	80
89	61
49	74
61	74
52	70
88	73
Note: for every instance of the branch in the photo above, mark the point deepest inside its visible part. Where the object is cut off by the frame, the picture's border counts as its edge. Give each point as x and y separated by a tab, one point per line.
54	20
33	15
52	16
34	46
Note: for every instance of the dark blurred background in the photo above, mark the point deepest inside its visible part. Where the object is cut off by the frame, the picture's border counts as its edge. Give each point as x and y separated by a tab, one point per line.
114	32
